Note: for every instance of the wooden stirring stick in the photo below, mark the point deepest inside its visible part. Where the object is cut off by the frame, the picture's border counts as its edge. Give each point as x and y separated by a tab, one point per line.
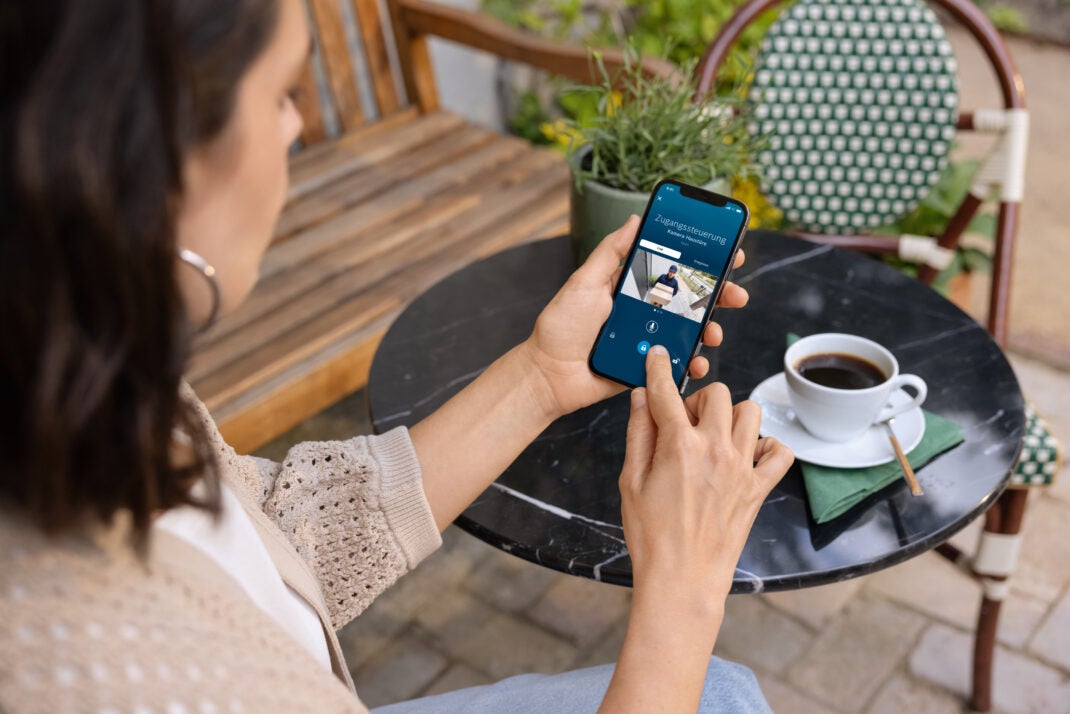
908	473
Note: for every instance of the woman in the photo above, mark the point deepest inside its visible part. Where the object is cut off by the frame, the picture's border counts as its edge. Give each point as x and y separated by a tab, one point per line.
144	565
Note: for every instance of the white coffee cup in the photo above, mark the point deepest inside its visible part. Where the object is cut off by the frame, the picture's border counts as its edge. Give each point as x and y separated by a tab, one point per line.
836	414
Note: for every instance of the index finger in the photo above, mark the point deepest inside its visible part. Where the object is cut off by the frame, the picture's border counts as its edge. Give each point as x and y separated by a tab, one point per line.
666	405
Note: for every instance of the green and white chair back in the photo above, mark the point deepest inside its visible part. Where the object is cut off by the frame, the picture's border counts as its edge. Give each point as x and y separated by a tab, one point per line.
857	104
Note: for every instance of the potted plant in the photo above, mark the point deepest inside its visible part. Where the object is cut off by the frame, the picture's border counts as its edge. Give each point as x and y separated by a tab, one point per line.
645	128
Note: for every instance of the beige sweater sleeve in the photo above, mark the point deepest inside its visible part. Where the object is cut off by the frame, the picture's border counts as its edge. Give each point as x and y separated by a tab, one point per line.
354	509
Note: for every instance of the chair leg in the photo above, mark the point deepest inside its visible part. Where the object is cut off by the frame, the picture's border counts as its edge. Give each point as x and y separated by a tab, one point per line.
984	646
995	562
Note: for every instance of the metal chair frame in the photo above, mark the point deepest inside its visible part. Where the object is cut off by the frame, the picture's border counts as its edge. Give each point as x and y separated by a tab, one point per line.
1003	173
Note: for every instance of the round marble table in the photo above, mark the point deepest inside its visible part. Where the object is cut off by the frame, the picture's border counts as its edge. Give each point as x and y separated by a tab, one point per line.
558	504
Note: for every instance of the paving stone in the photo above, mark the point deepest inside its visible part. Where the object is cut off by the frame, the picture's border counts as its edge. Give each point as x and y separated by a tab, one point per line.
394	610
934	587
816	606
931	585
852	657
1048	389
458	676
1060	489
1044	567
401	670
455	561
452	613
510	583
1052	640
606	650
497	644
1019	618
581	610
758	635
1020	685
785	699
371	633
343	420
907	694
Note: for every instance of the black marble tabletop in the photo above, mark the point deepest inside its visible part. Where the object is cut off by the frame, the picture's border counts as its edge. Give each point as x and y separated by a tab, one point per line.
558	503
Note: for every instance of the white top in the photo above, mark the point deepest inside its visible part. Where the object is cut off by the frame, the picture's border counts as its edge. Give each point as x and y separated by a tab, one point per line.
232	542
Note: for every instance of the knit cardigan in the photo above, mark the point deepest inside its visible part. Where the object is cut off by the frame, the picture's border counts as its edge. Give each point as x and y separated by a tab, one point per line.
86	625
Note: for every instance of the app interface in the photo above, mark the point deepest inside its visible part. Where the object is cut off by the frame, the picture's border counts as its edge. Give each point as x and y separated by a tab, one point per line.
684	247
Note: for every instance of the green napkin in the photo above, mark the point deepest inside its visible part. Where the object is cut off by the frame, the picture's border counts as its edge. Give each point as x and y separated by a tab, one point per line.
832	491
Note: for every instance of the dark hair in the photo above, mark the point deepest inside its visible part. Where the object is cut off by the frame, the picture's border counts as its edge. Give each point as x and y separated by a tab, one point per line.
99	103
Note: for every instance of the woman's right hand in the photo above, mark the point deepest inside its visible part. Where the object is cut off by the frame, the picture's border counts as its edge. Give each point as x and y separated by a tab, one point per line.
694	477
695	474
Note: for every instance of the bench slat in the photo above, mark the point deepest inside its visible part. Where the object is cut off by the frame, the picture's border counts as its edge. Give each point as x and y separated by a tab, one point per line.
386	206
355	235
361	185
498	219
356	265
367	149
305	160
329	29
380	72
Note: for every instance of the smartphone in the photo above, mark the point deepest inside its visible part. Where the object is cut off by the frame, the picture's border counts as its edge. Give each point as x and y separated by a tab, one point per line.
672	277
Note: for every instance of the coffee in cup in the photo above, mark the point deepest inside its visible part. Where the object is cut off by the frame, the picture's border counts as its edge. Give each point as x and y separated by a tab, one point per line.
840	371
839	385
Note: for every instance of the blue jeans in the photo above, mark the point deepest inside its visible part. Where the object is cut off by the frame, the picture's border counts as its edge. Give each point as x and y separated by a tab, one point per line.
730	688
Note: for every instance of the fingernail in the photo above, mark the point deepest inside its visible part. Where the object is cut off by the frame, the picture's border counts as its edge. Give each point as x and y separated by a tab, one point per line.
658	350
638	399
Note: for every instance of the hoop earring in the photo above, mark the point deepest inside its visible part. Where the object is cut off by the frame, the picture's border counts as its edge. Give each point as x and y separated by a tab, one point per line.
206	269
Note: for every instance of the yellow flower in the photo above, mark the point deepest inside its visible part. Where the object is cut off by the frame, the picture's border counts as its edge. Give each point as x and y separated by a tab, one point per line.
763	214
614	103
557	132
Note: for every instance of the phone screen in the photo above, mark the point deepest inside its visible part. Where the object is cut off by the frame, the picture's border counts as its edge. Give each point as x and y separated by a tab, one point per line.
671	280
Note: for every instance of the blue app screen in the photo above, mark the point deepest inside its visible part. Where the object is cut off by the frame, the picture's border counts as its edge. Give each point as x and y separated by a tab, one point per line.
684	248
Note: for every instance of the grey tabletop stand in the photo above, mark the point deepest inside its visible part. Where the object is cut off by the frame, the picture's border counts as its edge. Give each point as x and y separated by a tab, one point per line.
558	504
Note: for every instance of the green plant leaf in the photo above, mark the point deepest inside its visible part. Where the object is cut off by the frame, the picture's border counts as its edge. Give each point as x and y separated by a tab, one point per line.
983	224
1007	18
976	260
647	128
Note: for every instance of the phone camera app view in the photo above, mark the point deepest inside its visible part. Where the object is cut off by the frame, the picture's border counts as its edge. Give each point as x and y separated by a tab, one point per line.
670	282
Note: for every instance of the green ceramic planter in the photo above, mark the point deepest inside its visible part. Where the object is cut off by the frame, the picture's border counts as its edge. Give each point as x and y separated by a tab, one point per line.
597	210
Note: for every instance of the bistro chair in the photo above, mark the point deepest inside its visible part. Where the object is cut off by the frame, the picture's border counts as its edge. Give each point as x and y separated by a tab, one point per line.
858	106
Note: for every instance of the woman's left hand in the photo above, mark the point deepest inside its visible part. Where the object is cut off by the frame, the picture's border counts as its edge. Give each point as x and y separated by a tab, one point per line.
566	330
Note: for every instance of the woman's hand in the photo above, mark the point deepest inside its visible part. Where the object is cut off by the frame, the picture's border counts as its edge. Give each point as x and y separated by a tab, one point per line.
694	477
566	330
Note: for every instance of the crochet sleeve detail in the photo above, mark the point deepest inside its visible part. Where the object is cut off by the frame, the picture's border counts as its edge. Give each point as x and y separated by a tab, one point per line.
355	510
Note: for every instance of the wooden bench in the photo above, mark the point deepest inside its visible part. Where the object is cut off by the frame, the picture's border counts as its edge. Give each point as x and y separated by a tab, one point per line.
385	200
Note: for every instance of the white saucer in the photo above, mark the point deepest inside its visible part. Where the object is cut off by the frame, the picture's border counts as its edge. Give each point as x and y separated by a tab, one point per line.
870	449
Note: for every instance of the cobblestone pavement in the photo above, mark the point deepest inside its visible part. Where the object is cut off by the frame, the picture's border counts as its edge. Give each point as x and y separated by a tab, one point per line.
895	641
